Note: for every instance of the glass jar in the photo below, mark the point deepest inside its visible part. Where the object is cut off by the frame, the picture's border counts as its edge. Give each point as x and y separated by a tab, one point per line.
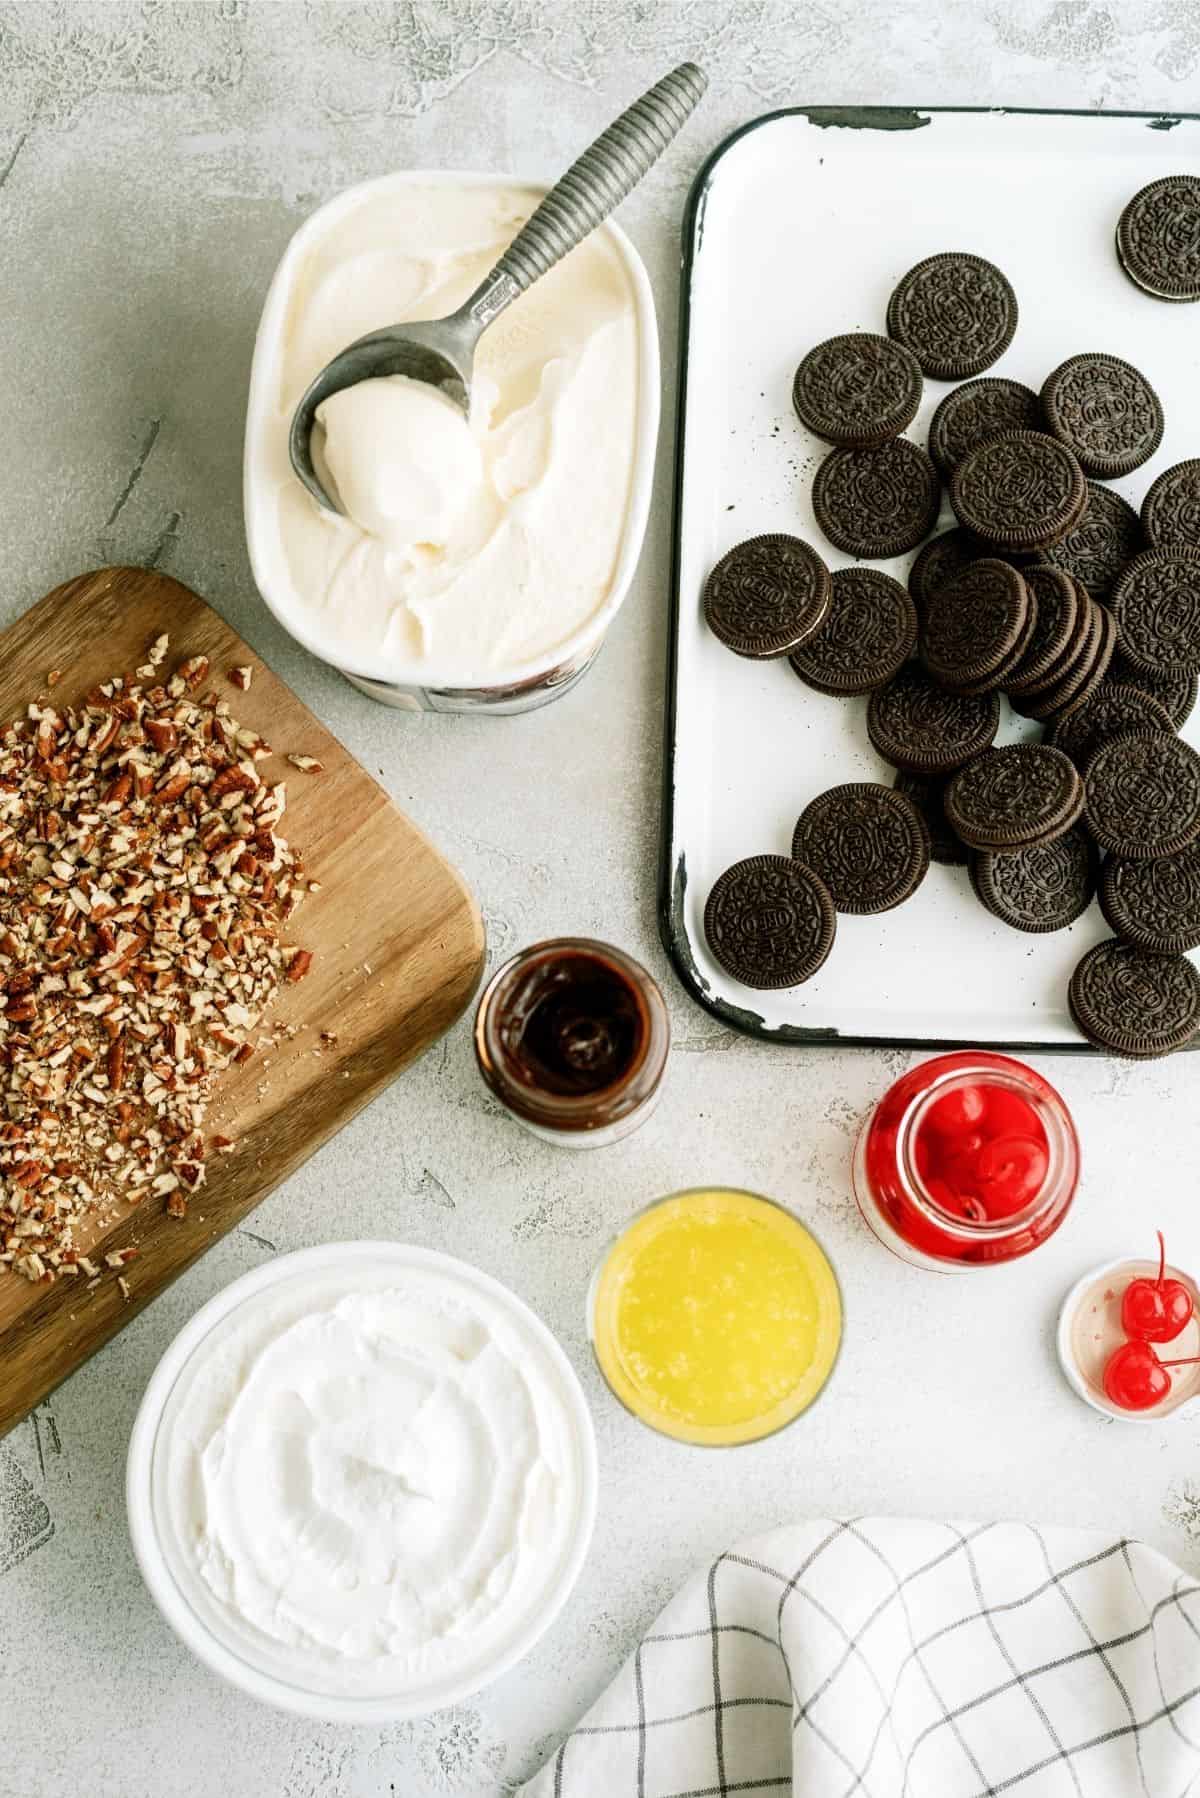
967	1161
572	1036
715	1317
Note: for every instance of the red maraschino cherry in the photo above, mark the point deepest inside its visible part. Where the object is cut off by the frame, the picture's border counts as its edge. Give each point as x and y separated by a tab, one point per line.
1136	1380
1156	1310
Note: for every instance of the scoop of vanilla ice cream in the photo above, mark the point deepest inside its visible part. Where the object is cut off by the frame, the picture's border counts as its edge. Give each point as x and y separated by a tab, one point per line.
403	456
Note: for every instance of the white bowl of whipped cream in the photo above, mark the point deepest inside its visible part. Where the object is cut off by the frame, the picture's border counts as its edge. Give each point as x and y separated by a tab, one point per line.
480	562
362	1481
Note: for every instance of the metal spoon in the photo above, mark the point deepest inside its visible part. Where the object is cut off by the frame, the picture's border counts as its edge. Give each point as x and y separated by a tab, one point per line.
442	351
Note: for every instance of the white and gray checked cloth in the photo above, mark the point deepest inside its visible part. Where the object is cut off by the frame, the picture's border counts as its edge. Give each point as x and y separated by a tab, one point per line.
906	1660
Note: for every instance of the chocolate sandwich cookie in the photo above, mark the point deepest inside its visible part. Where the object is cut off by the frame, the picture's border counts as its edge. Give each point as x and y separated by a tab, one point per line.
1043	888
1158	238
869	634
1176	693
940	560
928	794
1112	710
1133	1003
1045	697
1171	508
1143	795
972	413
1026	691
915	724
877	502
1020	491
767	596
1157	607
1105	411
955	312
1155	905
973	623
1070	692
770	921
868	843
1016	655
1010	798
1056	610
857	390
1107	536
1084	671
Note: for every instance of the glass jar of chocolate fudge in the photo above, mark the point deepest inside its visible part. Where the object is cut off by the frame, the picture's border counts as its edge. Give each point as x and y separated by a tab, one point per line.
572	1036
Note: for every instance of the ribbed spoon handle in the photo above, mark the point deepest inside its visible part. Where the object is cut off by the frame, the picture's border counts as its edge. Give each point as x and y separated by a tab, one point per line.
591	188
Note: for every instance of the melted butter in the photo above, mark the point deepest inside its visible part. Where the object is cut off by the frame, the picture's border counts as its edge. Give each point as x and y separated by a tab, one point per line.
716	1317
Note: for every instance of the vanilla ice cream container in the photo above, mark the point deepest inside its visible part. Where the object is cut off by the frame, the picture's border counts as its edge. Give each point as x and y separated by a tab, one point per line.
478	560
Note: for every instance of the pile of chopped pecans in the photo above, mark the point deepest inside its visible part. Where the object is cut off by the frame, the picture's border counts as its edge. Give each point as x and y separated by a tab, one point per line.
143	889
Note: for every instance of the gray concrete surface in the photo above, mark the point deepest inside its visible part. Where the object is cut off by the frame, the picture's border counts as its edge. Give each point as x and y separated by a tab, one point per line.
154	158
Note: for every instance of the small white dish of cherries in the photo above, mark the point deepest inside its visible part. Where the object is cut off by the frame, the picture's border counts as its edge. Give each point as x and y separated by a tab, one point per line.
1129	1338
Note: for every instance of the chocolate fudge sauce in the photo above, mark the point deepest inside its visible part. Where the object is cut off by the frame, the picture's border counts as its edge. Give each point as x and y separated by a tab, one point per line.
572	1035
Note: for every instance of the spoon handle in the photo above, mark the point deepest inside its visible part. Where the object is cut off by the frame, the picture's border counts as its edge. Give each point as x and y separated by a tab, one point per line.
591	188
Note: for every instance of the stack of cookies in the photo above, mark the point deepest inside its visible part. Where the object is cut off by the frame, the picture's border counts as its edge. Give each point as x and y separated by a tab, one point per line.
1049	590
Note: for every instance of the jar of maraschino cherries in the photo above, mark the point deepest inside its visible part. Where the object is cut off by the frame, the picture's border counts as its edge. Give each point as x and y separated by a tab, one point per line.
969	1160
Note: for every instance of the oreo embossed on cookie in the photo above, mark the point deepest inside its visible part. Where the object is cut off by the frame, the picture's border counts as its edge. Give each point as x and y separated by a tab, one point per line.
868	843
1107	536
1157	607
977	410
1176	693
1043	888
1112	710
955	312
1158	238
1133	1003
972	624
769	921
1020	491
1010	798
1143	795
857	390
1057	608
767	596
877	502
915	724
868	635
1154	904
1105	411
940	560
928	794
1171	508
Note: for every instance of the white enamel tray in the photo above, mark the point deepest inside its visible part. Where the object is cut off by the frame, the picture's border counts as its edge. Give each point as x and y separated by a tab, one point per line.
798	228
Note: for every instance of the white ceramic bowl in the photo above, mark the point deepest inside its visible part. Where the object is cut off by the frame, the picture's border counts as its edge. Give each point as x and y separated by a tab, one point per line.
1102	1333
147	1528
525	685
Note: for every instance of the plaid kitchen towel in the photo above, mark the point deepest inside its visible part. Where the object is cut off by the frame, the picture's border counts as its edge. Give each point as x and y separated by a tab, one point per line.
906	1660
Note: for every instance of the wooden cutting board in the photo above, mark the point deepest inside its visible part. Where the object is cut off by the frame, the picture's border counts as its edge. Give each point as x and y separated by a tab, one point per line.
397	947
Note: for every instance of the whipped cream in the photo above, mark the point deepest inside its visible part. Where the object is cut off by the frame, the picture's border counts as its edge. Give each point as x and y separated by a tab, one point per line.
369	1481
472	551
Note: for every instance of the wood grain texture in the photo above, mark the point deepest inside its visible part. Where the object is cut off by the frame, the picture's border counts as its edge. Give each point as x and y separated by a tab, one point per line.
397	947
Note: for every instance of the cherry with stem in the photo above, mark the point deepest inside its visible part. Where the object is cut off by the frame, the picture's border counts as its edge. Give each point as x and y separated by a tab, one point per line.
1136	1380
1156	1310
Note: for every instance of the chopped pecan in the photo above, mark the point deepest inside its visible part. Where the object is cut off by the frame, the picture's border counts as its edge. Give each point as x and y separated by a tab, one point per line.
299	961
193	672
